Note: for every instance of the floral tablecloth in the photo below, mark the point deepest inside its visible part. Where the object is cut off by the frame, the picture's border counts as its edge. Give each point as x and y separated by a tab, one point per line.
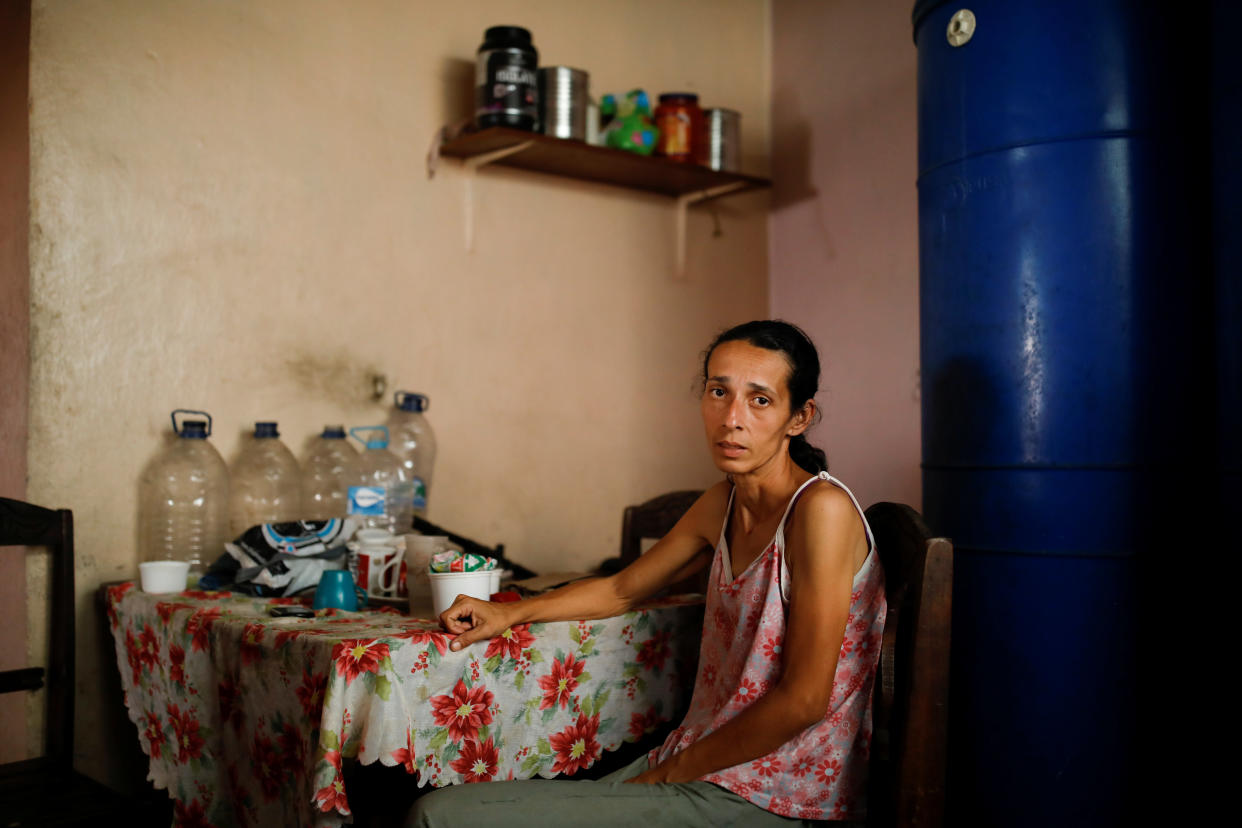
247	718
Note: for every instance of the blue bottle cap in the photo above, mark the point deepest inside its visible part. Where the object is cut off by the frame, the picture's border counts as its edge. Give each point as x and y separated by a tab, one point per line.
265	429
409	401
193	430
333	432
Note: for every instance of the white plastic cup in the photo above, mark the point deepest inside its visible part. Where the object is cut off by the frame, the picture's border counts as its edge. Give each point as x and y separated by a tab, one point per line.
161	577
446	586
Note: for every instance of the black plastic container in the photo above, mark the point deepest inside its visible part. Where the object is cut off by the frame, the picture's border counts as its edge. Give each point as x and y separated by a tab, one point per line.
506	83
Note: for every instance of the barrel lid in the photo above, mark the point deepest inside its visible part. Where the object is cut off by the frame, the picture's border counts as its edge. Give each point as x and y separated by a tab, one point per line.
265	429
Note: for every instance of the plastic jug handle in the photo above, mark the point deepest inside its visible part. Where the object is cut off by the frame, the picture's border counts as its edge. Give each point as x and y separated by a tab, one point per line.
176	411
353	432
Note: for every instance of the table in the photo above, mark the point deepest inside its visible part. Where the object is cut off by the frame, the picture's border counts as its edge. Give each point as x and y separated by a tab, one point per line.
248	719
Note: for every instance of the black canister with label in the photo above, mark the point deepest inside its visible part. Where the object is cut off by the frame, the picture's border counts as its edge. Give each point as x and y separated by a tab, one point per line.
506	84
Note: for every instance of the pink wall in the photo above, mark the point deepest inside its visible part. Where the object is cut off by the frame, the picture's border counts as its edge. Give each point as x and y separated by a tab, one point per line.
14	346
843	233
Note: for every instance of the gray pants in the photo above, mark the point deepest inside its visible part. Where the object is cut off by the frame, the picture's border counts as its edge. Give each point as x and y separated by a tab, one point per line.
607	802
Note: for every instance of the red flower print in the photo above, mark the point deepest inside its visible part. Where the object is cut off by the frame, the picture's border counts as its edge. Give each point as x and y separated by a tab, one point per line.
332	797
655	651
464	711
766	766
310	694
266	765
155	735
176	664
252	644
709	674
148	648
115	594
846	646
285	636
230	708
772	647
185	734
292	747
827	771
643	723
747	691
560	684
511	642
405	756
166	609
802	767
192	815
354	657
477	763
199	627
133	656
419	636
575	746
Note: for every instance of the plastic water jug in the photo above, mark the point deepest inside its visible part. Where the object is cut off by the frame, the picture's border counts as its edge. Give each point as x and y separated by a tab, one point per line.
325	482
184	498
379	492
265	482
414	443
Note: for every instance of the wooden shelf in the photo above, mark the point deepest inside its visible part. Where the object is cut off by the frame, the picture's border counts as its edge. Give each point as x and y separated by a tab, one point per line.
575	159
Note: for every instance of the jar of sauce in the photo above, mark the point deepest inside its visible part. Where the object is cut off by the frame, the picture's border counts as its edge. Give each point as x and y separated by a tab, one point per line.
680	121
506	85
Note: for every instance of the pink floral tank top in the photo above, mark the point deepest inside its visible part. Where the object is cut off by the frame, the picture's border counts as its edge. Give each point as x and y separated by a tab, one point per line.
822	772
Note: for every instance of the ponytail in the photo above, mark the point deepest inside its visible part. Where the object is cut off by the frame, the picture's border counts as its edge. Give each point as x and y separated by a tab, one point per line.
807	456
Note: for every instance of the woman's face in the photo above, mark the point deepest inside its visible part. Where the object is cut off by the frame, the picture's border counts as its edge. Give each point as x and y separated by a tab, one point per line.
746	407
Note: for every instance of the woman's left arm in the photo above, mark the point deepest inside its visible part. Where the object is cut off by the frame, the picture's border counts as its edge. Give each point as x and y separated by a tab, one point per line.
821	545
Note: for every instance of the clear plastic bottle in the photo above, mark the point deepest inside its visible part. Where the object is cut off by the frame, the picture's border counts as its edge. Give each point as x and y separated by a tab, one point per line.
379	492
184	499
265	482
414	444
325	483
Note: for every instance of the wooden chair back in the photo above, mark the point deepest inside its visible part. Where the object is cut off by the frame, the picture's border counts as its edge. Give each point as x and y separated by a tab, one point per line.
653	519
21	525
909	745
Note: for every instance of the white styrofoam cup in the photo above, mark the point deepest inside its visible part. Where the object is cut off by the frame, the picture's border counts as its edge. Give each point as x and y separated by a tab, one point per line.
160	577
446	586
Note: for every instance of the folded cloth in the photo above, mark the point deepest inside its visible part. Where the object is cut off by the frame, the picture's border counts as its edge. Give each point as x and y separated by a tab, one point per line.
280	558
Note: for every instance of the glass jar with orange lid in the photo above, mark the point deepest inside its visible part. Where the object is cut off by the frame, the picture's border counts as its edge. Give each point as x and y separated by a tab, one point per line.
680	121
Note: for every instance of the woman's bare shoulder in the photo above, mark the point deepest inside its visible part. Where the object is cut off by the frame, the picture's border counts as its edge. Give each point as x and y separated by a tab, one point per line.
826	511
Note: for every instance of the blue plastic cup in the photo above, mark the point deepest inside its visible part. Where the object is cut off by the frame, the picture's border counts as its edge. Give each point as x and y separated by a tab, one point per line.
337	589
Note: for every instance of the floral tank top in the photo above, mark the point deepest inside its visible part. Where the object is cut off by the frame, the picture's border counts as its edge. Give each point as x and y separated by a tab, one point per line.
822	772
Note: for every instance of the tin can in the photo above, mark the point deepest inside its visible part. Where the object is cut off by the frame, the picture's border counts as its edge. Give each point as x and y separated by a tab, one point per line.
680	121
721	148
563	101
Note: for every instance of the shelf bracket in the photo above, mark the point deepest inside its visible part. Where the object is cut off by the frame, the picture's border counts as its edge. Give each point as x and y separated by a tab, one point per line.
679	224
472	165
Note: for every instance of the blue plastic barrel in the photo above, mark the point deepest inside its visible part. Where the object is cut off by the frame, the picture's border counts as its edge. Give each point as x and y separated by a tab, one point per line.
1063	319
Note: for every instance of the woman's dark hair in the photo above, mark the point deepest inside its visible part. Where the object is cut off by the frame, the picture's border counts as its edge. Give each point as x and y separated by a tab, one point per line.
798	350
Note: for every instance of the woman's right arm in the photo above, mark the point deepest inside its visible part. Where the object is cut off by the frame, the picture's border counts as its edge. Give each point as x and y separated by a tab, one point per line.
686	549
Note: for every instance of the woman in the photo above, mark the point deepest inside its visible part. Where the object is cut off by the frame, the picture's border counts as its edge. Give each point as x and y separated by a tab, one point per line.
778	728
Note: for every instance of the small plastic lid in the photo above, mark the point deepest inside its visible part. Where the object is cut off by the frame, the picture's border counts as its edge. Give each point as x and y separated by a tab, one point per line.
333	432
409	401
193	429
678	97
507	33
264	429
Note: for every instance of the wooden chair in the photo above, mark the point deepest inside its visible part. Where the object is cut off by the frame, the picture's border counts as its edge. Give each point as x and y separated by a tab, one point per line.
46	790
653	519
910	738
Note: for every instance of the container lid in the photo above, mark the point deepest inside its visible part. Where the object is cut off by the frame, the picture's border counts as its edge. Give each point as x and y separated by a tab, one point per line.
265	429
678	97
409	401
193	429
333	432
507	33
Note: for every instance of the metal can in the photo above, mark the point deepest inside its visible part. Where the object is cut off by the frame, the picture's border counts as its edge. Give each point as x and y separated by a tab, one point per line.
721	148
506	86
680	121
563	97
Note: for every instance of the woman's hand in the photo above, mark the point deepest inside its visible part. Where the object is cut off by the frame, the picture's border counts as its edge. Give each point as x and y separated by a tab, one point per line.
472	620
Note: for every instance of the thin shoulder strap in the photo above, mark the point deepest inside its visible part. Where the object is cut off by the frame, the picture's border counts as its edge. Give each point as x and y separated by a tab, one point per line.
724	526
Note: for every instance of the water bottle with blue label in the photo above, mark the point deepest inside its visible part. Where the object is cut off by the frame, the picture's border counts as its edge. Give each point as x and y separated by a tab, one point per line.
379	491
414	444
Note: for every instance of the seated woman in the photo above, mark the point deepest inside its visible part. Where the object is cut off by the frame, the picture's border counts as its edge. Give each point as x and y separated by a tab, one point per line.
779	725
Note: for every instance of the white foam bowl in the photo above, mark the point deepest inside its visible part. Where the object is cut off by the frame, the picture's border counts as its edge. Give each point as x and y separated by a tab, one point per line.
446	586
161	577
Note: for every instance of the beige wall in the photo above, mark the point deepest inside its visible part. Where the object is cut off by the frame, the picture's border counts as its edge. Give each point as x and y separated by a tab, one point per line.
843	236
230	211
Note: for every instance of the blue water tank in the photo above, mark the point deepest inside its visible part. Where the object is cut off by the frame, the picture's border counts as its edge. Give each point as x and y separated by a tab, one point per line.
1064	313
